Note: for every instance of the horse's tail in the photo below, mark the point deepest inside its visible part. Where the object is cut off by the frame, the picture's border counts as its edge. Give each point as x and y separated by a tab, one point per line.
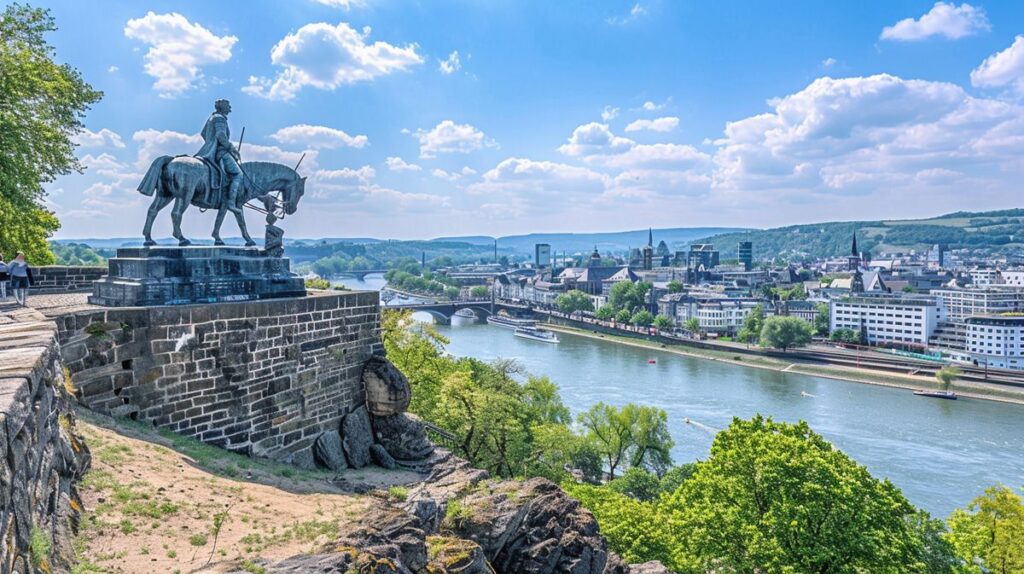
151	181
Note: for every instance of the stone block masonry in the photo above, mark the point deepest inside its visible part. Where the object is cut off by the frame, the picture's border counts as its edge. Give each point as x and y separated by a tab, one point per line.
65	278
42	457
263	378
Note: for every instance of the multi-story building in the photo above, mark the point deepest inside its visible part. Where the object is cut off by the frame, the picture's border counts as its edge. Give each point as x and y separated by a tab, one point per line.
715	314
889	319
996	341
702	255
745	253
966	302
1013	278
981	277
542	255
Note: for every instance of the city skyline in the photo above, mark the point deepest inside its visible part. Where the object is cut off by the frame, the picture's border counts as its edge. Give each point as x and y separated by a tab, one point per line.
455	119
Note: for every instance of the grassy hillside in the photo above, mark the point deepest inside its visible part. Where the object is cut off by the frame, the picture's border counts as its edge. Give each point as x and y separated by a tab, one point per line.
992	231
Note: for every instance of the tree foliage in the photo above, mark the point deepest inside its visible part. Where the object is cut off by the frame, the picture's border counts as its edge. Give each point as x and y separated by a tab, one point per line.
630	436
662	322
752	325
42	104
574	301
946	375
989	534
822	320
785	332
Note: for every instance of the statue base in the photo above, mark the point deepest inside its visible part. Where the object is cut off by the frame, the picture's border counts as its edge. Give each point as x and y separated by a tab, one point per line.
159	275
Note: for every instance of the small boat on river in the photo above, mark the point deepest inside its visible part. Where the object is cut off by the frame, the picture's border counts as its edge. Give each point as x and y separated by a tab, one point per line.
536	334
948	395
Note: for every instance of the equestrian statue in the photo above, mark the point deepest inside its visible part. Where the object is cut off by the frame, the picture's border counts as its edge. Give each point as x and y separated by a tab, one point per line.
216	178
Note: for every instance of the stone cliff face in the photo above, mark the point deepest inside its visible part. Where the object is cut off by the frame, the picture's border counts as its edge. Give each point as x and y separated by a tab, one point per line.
43	458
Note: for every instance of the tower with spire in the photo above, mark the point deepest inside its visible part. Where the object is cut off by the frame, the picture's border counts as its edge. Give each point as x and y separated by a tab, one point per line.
648	253
853	260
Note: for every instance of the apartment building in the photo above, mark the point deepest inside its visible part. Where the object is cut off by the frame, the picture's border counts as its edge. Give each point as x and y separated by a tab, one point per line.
996	341
961	303
889	319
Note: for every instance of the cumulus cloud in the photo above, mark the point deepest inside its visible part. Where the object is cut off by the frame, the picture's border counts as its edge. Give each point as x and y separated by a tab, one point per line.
343	4
944	19
325	57
827	63
442	174
398	164
451	64
318	137
154	143
450	137
103	164
665	124
634	13
346	174
592	139
544	178
869	134
178	50
609	113
1002	69
650	106
103	138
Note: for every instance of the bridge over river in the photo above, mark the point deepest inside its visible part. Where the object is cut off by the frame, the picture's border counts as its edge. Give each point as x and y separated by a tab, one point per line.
442	311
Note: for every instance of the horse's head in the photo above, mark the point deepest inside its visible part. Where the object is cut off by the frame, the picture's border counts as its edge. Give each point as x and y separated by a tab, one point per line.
292	194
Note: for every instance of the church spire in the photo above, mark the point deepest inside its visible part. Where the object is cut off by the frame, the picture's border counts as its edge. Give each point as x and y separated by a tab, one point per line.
650	237
853	250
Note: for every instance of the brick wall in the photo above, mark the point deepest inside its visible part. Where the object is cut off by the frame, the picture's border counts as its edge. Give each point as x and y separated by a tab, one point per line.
64	278
261	377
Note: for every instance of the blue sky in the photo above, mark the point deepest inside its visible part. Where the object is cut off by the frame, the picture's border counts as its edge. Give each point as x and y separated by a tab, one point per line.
422	119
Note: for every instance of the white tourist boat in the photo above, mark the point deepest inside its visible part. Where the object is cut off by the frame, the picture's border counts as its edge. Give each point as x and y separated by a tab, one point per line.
537	334
510	322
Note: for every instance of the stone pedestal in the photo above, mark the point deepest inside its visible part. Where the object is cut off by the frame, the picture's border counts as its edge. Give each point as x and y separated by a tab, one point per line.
149	276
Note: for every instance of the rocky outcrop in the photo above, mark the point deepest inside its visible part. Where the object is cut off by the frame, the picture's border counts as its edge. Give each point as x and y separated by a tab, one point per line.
42	456
328	452
460	521
356	438
387	390
403	436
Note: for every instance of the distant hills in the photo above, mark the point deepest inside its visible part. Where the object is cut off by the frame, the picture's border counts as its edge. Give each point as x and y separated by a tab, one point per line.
585	242
986	231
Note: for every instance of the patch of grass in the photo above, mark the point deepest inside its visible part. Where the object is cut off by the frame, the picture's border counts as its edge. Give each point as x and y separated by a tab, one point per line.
456	513
97	330
253	568
198	540
172	554
113	455
399	493
84	566
40	547
127	526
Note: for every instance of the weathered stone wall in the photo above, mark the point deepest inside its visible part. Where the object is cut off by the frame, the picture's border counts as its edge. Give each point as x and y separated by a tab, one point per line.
65	278
42	457
263	377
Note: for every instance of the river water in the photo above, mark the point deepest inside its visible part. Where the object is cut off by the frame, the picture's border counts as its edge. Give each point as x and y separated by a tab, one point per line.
940	453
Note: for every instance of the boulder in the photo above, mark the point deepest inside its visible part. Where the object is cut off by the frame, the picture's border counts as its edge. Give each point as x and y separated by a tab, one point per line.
356	437
450	555
328	453
403	436
382	458
387	390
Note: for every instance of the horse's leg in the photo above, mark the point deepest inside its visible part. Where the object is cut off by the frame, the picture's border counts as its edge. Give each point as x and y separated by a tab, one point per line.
160	201
240	218
180	205
216	226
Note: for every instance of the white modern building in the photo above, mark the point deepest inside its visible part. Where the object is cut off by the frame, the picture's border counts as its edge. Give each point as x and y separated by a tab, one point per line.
967	302
996	341
889	319
716	315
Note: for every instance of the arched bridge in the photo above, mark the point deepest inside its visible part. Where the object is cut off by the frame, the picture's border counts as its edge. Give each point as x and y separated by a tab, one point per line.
360	274
442	311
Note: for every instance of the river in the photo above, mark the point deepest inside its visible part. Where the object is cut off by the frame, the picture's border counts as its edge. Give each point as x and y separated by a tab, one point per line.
942	454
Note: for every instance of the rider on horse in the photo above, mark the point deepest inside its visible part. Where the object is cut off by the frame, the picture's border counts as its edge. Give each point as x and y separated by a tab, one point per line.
220	153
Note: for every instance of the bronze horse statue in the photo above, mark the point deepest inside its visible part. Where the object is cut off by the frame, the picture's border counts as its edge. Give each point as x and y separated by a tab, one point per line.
186	180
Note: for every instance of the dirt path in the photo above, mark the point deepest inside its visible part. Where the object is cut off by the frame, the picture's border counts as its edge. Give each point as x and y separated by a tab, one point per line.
159	503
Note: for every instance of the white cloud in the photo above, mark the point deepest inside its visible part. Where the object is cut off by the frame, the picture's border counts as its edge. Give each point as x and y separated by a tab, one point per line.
112	69
870	135
827	63
668	156
178	50
398	164
361	175
318	137
155	143
609	113
103	164
442	174
650	106
326	57
103	138
466	170
343	4
450	137
451	64
594	138
944	19
1002	69
634	13
544	179
665	124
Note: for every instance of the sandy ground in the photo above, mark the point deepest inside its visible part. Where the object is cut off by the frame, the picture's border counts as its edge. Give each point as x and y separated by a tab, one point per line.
158	503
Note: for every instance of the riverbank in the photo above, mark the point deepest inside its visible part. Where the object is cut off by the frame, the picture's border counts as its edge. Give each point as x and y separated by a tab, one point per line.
850	374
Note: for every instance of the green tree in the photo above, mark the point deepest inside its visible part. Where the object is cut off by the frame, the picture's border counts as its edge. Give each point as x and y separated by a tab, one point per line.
946	375
822	319
752	325
675	286
693	325
629	436
42	104
989	534
574	301
776	497
623	316
558	451
676	476
451	292
663	322
785	332
935	552
638	483
907	289
643	318
605	313
479	291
